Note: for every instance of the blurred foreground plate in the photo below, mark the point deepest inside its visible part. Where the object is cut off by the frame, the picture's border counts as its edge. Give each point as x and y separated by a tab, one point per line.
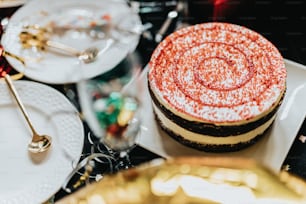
34	179
194	180
54	68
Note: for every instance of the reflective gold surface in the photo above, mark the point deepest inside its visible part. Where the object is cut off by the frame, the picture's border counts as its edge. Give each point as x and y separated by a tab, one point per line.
194	180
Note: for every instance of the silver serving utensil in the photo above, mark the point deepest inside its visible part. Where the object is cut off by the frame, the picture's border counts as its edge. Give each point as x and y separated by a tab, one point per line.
171	15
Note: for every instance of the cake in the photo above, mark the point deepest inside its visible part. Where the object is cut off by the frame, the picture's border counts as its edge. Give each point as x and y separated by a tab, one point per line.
216	87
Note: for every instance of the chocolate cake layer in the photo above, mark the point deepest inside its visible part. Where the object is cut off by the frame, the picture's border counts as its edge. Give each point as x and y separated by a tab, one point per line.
211	147
209	128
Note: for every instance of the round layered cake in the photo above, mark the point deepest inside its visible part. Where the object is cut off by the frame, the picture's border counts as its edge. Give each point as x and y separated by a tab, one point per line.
216	86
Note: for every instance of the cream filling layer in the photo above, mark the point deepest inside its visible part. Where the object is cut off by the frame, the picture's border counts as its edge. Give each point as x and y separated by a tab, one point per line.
206	139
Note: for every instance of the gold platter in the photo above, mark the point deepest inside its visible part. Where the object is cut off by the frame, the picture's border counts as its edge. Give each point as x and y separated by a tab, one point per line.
194	180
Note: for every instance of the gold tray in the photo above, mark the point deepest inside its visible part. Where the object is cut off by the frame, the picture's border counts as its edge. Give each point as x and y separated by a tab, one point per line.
194	180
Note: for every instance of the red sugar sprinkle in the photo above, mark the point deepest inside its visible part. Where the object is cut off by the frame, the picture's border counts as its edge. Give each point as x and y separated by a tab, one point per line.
213	70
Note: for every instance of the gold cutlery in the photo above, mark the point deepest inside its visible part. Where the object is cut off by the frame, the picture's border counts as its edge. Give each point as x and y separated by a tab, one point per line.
39	143
41	42
3	70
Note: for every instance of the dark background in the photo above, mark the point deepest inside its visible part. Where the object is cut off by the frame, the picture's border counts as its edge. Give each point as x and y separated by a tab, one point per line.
281	22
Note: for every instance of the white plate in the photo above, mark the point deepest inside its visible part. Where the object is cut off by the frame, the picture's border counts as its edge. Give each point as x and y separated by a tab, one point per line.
55	68
11	3
23	179
271	150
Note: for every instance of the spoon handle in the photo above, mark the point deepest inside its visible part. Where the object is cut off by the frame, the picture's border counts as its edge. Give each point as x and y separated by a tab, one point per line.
63	47
13	91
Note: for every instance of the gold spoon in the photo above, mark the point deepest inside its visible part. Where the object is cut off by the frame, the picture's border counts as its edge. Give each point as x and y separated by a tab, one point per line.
40	41
39	143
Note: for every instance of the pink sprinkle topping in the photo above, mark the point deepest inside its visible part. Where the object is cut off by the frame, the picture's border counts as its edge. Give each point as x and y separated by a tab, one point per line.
217	72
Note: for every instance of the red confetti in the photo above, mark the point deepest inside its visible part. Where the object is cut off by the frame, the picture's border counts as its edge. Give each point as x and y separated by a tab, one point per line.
107	17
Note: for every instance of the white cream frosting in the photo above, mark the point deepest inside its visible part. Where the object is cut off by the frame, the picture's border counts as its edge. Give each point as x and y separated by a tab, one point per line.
207	139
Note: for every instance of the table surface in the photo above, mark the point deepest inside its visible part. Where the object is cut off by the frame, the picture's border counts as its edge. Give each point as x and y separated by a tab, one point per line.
281	22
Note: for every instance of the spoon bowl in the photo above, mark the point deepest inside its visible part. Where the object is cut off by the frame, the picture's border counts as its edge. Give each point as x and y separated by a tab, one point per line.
42	143
89	55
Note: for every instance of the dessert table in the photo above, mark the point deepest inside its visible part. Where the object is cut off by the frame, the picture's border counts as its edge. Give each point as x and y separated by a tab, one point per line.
278	21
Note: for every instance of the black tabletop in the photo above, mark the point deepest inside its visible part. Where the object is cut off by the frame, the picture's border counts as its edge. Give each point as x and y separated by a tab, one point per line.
281	22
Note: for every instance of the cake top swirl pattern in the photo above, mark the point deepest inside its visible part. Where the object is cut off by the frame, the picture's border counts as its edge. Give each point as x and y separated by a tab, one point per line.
217	72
